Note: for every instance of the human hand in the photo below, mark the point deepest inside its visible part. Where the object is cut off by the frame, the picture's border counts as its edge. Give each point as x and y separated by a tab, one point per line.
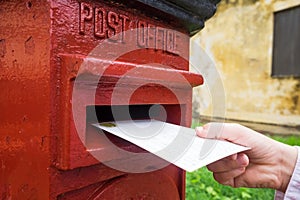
268	164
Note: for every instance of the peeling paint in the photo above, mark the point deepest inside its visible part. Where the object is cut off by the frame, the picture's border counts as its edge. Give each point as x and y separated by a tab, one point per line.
29	46
2	47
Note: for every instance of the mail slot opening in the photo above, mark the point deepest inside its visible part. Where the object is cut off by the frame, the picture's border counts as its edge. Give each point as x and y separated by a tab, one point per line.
96	114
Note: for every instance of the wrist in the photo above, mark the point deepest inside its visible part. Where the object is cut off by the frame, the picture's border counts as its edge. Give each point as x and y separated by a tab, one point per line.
288	159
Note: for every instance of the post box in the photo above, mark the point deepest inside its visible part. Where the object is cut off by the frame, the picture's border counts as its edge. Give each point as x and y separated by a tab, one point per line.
52	83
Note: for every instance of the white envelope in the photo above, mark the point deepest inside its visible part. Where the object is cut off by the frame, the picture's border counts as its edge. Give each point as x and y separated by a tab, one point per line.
176	144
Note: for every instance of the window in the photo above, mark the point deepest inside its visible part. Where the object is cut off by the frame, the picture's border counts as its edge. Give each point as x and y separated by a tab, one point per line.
286	43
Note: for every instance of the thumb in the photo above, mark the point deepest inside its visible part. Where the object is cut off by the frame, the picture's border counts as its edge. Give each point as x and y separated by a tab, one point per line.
224	131
210	130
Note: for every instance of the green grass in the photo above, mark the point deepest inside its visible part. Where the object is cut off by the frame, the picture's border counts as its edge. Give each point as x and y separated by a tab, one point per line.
291	140
200	184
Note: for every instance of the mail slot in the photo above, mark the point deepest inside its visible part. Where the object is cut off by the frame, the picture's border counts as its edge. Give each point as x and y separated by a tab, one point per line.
69	64
169	113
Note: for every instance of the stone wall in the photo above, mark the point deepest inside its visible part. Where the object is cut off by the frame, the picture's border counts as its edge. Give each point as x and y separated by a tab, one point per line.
239	40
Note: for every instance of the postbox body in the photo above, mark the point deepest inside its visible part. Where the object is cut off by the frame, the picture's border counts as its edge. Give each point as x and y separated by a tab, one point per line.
48	147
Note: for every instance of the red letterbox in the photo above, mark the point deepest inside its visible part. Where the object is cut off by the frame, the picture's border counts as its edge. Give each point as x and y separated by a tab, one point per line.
47	54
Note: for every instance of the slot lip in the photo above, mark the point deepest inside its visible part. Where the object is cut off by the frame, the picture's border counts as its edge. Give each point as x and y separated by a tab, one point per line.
130	73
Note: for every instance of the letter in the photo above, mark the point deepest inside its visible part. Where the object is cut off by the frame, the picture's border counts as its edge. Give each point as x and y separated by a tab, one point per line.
86	14
175	50
113	23
124	25
100	23
151	30
170	41
160	40
141	33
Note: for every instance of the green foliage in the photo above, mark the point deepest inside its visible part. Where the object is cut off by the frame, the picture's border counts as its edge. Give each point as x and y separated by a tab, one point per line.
196	123
291	140
200	185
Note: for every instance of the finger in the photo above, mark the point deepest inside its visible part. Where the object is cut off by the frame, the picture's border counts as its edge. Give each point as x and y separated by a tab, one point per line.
233	157
210	130
227	178
201	131
228	164
226	131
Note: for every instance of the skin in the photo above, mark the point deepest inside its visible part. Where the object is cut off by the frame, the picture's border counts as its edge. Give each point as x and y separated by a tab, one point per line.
268	164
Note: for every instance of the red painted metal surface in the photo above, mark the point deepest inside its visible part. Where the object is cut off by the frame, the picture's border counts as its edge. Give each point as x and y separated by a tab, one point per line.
42	46
131	186
24	100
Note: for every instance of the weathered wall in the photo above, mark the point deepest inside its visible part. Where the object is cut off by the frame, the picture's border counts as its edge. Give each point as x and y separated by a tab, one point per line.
239	41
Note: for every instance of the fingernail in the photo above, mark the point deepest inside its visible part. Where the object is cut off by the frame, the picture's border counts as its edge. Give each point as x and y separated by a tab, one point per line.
243	160
206	126
199	129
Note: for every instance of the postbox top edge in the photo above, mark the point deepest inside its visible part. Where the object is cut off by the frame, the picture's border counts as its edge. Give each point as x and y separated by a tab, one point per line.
191	14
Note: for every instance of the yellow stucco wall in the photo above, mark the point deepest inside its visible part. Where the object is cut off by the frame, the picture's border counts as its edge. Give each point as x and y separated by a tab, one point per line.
239	40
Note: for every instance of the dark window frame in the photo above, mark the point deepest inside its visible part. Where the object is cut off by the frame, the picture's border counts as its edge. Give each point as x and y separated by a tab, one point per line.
286	51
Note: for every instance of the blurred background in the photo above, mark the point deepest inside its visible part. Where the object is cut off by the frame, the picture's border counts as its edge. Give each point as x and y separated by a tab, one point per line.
255	47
